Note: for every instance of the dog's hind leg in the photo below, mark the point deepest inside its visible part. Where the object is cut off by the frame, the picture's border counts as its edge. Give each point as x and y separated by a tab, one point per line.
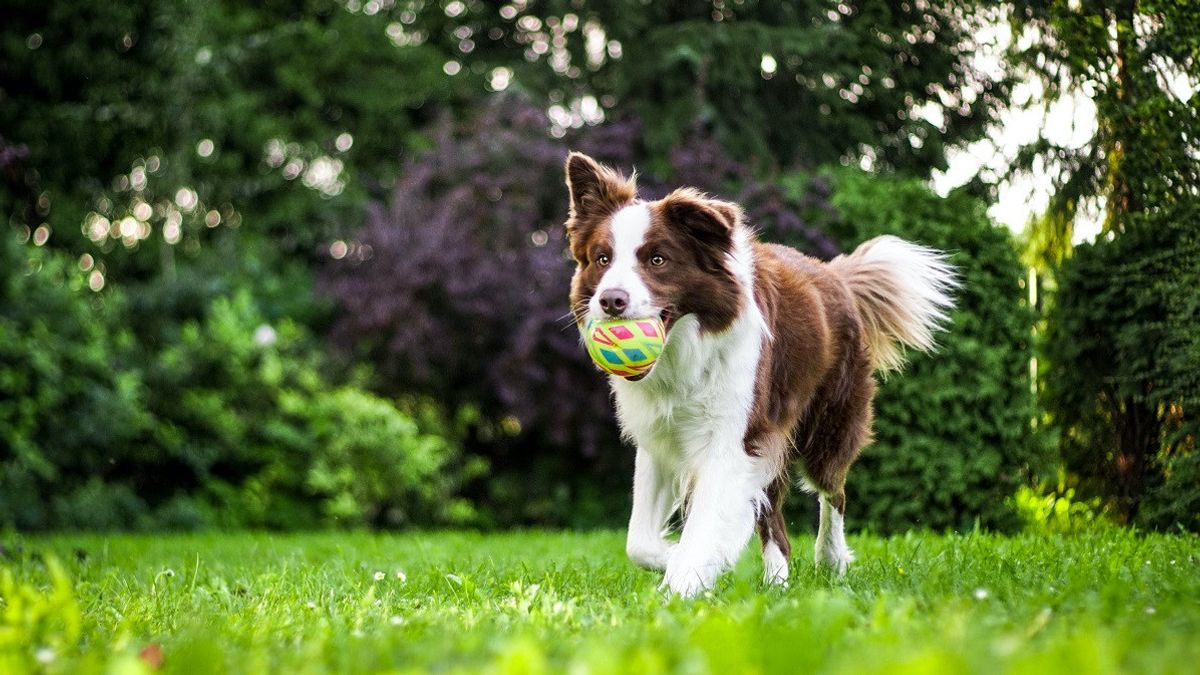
776	549
835	440
831	548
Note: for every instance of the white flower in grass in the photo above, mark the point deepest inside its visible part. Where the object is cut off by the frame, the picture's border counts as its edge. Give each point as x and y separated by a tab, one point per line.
45	656
981	594
1150	610
265	336
311	605
396	620
380	576
401	576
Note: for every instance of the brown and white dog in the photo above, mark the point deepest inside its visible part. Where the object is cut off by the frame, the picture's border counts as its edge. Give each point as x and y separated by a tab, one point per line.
769	359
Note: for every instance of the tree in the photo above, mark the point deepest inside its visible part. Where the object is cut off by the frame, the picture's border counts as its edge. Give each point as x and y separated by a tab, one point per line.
1119	377
150	131
1123	374
1138	61
780	84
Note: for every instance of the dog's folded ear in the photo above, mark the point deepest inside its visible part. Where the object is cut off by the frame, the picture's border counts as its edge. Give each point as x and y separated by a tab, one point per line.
596	189
709	221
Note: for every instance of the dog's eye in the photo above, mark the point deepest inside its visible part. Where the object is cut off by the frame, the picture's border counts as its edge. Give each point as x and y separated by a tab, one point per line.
658	261
602	260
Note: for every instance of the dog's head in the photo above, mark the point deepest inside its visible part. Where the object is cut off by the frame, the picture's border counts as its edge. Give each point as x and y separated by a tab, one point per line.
637	259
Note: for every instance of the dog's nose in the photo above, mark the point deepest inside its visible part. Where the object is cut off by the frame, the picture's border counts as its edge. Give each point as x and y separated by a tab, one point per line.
614	301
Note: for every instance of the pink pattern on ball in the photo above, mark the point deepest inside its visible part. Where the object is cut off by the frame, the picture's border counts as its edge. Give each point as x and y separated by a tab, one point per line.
621	332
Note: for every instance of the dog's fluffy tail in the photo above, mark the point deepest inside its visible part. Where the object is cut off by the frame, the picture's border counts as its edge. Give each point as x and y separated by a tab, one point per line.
902	290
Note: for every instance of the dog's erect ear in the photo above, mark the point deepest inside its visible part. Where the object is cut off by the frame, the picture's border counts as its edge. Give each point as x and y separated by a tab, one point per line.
708	221
594	188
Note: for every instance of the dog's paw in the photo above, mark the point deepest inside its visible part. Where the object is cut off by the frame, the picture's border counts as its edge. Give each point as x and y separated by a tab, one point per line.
836	559
775	566
651	556
687	576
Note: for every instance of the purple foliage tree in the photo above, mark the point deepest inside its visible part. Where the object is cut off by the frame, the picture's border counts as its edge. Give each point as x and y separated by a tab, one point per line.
457	286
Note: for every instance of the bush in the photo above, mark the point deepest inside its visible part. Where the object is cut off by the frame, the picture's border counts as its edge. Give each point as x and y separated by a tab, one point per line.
1123	367
953	436
221	419
68	409
1057	509
247	421
374	464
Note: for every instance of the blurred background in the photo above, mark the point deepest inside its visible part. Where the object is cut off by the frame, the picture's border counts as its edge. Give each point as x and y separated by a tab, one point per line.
301	264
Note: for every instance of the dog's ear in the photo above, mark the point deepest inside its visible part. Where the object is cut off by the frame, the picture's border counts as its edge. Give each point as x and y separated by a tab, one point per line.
596	189
709	221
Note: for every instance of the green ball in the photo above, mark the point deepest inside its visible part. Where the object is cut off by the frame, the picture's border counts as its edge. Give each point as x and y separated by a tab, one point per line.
625	347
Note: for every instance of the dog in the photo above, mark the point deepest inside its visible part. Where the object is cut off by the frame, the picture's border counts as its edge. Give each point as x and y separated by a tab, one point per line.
769	362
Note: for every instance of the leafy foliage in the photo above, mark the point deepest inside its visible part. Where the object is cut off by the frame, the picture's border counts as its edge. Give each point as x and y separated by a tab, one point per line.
66	404
152	130
1121	354
199	161
1136	60
457	288
222	419
1123	380
778	84
953	435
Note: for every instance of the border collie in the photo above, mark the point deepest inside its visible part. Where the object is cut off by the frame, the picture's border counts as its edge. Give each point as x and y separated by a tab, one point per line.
768	364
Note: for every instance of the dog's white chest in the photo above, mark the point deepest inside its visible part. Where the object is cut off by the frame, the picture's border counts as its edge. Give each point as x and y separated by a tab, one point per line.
701	390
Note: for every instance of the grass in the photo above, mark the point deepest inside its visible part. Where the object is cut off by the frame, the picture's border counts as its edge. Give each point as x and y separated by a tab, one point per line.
1110	601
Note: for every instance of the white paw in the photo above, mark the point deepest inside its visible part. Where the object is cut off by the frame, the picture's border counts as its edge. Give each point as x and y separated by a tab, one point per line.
836	558
687	576
651	556
775	566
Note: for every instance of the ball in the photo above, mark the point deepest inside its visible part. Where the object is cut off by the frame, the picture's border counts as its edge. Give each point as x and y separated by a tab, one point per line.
625	347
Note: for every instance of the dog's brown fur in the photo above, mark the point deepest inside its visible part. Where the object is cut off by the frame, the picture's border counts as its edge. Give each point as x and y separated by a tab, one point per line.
815	385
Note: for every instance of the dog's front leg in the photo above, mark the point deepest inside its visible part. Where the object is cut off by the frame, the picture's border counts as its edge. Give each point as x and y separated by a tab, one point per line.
653	502
720	519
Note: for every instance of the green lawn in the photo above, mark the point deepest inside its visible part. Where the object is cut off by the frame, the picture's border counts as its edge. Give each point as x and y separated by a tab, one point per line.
533	602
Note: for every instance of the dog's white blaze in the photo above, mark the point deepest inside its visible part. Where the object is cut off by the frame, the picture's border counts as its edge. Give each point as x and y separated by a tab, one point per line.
629	227
831	548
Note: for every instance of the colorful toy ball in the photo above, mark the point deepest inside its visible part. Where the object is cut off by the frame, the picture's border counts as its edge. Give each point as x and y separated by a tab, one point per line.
625	347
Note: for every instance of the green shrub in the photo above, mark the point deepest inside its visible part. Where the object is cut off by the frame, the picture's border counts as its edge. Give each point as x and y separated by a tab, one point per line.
220	419
953	435
248	419
67	407
1058	508
1123	367
374	464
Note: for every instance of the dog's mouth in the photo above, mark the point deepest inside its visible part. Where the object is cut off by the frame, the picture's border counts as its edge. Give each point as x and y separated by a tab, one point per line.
667	317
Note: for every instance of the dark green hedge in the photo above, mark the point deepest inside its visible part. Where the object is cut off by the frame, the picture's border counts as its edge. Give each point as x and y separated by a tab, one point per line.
953	434
1123	367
